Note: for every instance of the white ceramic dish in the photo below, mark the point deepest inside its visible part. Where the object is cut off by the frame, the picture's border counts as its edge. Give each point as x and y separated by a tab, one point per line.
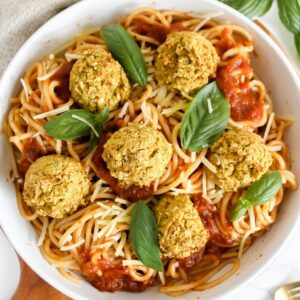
270	64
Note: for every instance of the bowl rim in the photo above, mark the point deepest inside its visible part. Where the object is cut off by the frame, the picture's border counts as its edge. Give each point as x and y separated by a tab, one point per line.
82	5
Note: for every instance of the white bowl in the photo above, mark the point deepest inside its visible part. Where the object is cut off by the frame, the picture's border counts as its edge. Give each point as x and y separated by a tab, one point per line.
270	64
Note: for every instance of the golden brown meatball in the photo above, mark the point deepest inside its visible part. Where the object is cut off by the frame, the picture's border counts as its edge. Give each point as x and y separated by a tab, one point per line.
185	62
180	229
98	81
241	157
55	185
137	155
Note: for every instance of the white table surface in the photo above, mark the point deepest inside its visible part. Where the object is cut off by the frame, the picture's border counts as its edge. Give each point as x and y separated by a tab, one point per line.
285	268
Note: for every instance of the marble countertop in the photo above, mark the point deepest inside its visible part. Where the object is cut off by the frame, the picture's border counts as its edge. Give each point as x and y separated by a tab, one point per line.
286	267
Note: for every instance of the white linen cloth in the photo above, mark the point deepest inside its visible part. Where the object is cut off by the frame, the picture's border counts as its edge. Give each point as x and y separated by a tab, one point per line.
19	19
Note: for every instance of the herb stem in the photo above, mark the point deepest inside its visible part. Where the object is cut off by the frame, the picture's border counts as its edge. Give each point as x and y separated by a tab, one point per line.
87	123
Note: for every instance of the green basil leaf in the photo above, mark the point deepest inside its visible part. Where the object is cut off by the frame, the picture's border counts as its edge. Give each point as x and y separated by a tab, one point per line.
297	42
144	236
65	127
259	192
264	189
201	128
93	141
239	209
250	8
289	13
100	121
126	51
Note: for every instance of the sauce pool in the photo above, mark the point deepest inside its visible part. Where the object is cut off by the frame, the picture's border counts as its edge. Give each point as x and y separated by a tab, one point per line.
108	276
244	102
62	75
31	152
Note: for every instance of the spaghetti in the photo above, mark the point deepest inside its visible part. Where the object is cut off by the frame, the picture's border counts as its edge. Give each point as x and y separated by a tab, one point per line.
97	235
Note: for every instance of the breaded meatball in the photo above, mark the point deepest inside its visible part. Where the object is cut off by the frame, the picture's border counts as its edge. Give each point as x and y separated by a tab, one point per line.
137	155
180	229
55	185
98	81
185	62
241	157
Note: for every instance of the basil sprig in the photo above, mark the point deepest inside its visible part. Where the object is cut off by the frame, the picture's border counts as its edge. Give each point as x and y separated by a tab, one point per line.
144	237
126	51
250	8
200	128
76	123
259	192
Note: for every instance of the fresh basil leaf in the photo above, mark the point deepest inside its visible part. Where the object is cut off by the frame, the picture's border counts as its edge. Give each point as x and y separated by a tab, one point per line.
259	192
126	51
100	121
289	13
297	42
93	141
144	236
250	8
239	209
65	127
201	128
264	189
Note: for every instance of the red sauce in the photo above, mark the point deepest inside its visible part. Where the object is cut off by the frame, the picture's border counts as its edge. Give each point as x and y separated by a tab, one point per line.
226	41
157	32
131	193
245	104
211	248
63	77
192	260
31	152
207	214
114	276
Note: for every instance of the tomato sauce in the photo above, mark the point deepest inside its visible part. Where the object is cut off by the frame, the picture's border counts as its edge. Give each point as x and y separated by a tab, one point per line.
192	260
62	75
131	193
157	32
245	104
227	41
31	152
109	276
207	214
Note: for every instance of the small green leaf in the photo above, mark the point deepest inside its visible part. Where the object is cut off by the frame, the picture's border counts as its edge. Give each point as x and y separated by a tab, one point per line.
263	190
144	236
126	51
297	43
201	128
259	192
100	121
250	8
289	13
65	127
239	209
93	141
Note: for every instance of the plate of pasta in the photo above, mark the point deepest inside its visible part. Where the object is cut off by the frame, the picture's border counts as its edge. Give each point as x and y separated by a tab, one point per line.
149	149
